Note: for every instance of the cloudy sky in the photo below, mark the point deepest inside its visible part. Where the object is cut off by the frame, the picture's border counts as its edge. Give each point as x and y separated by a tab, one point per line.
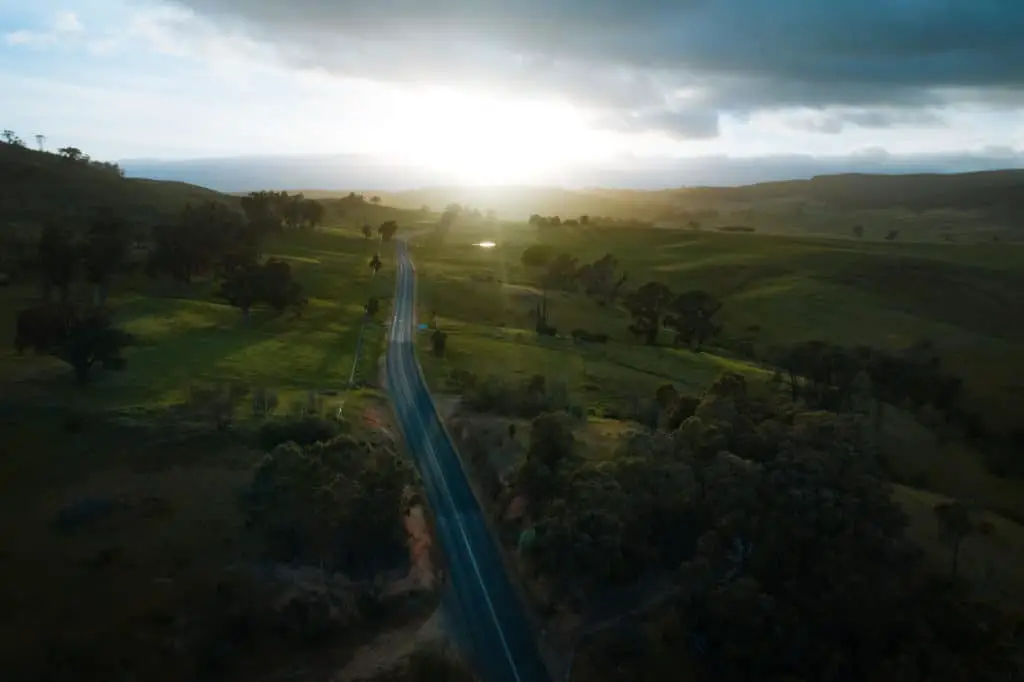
505	90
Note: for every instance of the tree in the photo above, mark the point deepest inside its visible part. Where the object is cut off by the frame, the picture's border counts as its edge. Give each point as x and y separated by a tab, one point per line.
10	137
599	279
646	306
439	342
337	504
956	523
57	256
263	210
201	237
450	214
367	231
387	230
858	231
105	251
40	141
312	212
270	284
92	339
71	153
79	338
584	220
375	200
278	288
692	314
537	255
561	273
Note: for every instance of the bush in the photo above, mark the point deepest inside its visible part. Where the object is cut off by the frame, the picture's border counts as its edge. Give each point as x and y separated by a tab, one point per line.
302	431
529	399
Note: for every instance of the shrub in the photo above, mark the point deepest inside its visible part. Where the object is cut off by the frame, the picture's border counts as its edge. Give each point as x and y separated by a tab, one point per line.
302	431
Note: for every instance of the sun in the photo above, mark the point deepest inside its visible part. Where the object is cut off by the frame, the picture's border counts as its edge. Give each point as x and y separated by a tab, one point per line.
484	140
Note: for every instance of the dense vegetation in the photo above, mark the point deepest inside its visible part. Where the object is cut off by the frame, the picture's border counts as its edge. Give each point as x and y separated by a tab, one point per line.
751	521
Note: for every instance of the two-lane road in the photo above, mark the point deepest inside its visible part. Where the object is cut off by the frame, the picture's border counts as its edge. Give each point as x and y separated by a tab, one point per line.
492	618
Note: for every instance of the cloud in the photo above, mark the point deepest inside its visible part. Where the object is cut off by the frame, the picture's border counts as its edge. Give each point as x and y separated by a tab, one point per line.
63	23
836	122
66	22
627	61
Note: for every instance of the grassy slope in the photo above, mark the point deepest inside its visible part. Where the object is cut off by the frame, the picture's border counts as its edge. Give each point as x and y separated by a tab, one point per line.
963	207
491	332
38	186
109	589
888	295
188	336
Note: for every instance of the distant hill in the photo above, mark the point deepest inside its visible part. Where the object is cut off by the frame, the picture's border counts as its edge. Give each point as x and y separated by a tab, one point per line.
39	186
517	203
1000	191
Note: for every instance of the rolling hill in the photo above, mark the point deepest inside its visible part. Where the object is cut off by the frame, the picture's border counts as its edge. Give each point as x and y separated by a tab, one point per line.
40	186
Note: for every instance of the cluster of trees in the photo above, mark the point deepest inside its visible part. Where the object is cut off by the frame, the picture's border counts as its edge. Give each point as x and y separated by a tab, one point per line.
202	239
555	221
788	555
270	283
70	153
99	250
386	230
601	279
691	315
526	398
337	504
269	211
831	377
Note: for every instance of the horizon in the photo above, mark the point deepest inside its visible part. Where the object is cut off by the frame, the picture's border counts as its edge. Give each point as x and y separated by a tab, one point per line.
672	89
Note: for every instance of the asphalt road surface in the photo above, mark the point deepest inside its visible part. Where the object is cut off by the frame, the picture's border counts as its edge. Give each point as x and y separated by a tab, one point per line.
489	614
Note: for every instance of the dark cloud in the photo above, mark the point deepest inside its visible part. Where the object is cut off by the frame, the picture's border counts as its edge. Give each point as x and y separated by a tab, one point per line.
630	57
833	123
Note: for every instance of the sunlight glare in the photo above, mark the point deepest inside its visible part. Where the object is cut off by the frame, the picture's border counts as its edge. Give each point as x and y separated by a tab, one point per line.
489	140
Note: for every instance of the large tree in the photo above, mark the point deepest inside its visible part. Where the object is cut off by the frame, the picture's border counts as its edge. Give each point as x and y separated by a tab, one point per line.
387	230
691	315
647	305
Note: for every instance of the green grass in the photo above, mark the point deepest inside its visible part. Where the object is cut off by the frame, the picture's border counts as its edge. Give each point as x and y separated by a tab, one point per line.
491	332
967	299
187	336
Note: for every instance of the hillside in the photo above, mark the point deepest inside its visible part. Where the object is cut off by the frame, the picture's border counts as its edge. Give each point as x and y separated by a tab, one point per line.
518	202
996	192
40	186
994	195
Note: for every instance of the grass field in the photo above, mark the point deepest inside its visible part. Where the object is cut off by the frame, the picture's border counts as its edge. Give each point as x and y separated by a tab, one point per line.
964	298
187	336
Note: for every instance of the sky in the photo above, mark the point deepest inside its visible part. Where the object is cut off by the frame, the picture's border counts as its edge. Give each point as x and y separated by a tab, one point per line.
505	91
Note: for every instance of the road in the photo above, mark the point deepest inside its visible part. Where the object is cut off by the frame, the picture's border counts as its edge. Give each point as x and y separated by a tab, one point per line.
490	616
